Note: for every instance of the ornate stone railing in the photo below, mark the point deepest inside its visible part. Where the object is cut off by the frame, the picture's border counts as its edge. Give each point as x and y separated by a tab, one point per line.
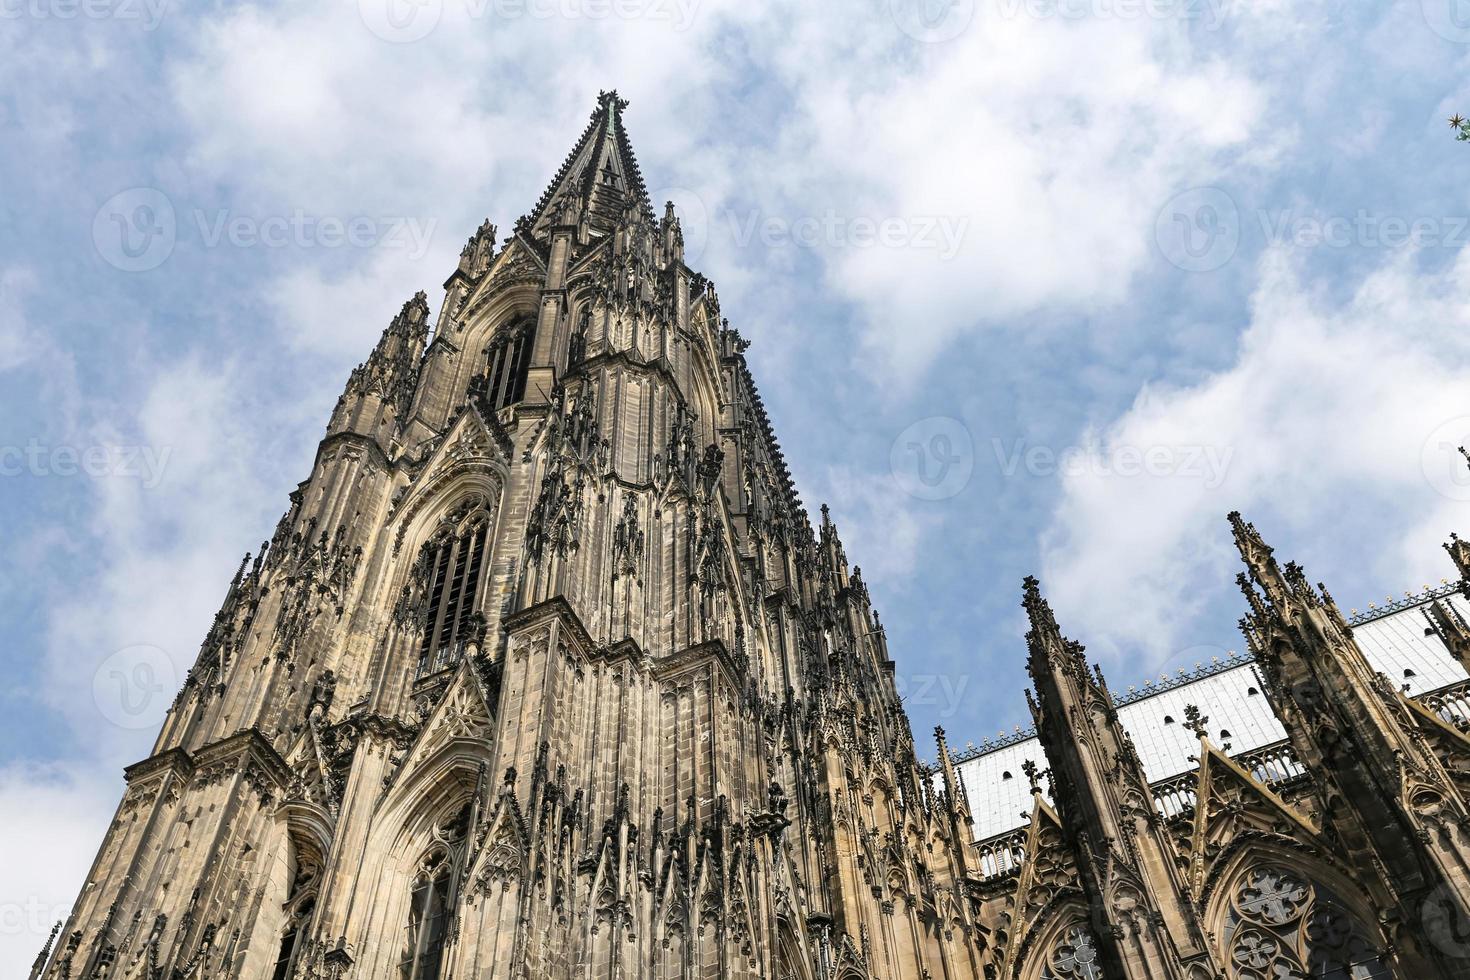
1176	795
1002	855
1409	601
1275	765
1452	703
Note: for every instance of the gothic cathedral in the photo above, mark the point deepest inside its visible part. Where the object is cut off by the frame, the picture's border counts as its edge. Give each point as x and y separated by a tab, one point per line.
547	674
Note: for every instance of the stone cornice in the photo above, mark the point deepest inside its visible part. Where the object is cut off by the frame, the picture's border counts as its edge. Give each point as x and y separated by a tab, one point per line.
691	659
554	608
175	761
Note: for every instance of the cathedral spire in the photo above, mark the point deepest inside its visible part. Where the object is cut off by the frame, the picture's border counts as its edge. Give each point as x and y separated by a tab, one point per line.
597	184
1098	782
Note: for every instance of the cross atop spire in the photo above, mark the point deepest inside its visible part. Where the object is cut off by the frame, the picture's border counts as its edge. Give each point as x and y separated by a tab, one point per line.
598	182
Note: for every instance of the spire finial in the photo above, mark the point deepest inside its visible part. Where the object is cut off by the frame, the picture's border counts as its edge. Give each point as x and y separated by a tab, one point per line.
1196	722
1038	610
1033	774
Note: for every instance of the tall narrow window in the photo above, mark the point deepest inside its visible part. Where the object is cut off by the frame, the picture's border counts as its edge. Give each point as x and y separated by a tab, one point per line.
299	906
507	359
456	566
291	940
427	921
432	901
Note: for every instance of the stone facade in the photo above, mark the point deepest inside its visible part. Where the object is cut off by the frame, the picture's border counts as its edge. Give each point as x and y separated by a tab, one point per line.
547	674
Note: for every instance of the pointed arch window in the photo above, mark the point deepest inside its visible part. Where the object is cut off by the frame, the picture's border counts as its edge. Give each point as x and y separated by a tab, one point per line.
299	908
431	904
449	581
507	360
292	941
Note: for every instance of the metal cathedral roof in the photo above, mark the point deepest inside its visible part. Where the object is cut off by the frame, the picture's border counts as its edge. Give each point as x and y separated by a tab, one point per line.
1229	692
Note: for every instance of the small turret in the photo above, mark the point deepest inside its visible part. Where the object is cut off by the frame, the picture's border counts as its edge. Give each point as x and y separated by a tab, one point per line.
380	390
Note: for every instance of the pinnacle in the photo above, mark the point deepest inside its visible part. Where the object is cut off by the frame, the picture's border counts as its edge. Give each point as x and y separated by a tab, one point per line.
1246	534
1037	608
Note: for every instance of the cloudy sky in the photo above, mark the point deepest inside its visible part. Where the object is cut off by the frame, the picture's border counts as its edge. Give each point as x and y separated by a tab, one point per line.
1035	286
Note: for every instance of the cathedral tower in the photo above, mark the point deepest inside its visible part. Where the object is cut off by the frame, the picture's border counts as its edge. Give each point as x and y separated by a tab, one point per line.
545	672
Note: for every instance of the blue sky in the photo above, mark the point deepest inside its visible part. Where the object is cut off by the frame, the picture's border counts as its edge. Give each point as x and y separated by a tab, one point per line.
1104	269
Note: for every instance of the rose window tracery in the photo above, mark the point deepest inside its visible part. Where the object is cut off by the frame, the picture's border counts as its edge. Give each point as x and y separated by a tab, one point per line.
1281	926
1074	956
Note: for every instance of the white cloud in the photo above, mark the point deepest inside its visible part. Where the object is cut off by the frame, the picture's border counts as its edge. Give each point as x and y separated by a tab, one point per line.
54	819
1328	405
165	545
482	101
880	527
1053	147
1043	167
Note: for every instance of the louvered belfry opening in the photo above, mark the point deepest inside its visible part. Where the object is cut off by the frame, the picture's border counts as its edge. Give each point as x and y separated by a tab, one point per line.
456	566
507	361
